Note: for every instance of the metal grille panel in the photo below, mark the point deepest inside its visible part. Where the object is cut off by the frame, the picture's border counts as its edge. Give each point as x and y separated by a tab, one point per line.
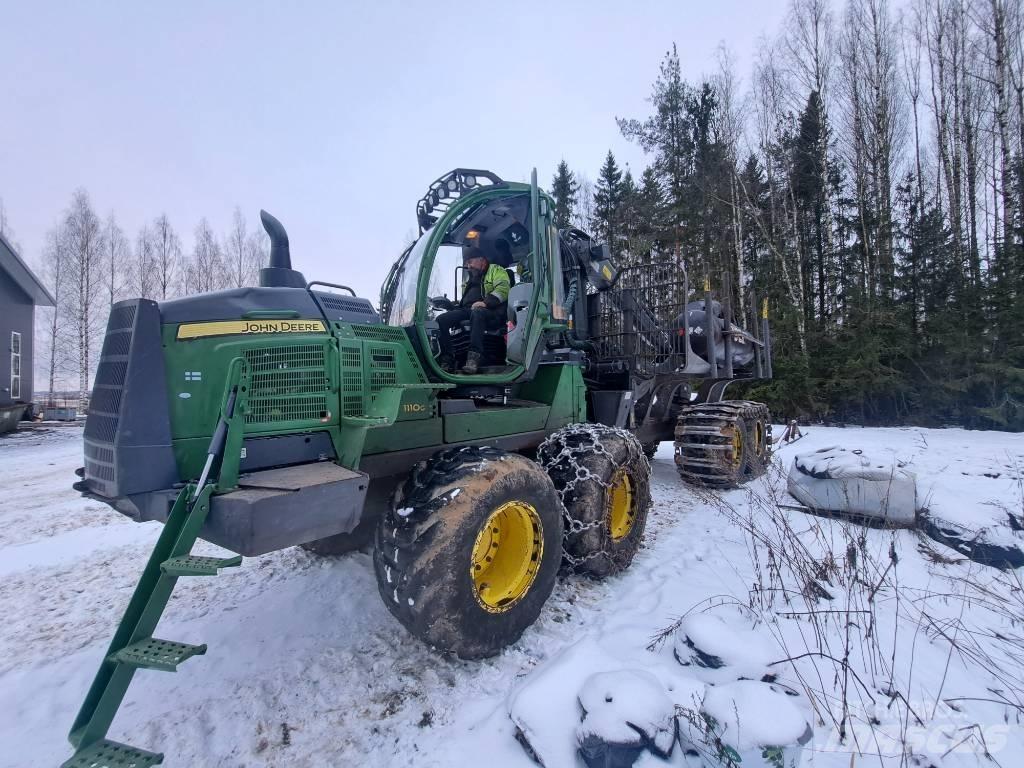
282	358
379	333
352	379
108	384
289	383
347	305
269	410
635	321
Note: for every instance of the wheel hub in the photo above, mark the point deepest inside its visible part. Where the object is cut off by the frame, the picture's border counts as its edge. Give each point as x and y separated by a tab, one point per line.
507	556
737	446
621	513
759	438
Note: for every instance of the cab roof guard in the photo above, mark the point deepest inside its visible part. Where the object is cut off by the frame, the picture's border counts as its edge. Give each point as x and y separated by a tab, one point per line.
449	188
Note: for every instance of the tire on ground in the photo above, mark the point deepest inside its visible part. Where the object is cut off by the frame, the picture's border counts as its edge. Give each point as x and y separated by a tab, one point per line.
469	551
759	432
603	478
723	444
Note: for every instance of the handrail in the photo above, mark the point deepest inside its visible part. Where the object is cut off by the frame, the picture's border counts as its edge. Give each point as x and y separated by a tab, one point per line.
330	285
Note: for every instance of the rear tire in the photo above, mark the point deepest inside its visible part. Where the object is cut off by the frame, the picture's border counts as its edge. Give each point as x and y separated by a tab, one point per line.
604	480
723	444
469	552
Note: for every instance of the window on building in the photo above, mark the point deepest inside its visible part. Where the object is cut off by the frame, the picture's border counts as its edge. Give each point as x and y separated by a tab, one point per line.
15	365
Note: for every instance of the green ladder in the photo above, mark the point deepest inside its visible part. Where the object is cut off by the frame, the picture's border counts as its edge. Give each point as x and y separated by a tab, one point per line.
134	646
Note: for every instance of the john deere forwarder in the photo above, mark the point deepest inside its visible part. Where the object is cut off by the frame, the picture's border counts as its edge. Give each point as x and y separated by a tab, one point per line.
296	414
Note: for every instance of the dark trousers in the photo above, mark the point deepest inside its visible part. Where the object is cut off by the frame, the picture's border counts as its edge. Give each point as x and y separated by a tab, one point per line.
480	320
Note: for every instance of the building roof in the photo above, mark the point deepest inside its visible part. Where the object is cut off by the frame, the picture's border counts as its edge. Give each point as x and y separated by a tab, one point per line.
11	263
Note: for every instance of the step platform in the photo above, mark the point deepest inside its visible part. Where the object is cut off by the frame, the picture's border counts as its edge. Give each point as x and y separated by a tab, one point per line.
111	754
162	655
193	565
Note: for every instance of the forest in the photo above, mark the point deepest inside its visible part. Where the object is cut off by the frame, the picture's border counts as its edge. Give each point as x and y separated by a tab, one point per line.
866	177
869	181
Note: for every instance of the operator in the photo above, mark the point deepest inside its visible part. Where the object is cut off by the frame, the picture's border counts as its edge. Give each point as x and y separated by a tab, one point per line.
484	302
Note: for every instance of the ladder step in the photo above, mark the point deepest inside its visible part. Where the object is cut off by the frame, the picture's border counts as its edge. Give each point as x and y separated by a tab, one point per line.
191	565
151	653
111	754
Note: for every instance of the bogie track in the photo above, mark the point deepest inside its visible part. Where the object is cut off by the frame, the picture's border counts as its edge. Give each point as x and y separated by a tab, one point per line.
723	444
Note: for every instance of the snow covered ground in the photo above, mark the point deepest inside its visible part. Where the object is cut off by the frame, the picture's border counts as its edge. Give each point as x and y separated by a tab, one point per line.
306	667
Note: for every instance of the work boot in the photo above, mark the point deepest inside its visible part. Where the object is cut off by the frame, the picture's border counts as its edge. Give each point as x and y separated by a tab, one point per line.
446	363
472	362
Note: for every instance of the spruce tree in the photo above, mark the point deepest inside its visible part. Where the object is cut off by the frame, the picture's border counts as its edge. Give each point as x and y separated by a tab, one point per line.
564	188
628	215
608	201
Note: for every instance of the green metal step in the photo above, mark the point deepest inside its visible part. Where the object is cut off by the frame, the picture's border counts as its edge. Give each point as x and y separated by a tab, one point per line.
110	754
151	653
191	565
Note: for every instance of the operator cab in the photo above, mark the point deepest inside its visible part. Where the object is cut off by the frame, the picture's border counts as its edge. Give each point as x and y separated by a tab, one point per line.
466	214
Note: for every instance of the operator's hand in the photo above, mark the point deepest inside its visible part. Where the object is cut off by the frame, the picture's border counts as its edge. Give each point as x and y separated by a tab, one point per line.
479	305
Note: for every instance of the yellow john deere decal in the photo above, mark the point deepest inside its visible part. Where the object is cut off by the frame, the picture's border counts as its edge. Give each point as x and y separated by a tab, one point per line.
234	327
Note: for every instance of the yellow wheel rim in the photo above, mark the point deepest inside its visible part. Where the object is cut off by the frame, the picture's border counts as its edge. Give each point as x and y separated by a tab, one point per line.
506	556
759	437
737	446
621	514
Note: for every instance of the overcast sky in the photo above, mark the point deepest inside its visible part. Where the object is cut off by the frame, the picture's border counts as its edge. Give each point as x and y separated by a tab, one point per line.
335	117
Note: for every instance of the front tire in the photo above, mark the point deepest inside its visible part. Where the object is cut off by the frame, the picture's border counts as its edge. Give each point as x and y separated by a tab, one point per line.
604	480
469	552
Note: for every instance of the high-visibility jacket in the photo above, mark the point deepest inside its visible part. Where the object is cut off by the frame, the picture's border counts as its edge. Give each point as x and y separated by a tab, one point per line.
495	286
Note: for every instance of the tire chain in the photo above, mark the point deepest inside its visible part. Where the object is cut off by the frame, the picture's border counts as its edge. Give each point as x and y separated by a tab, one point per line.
722	413
555	449
416	502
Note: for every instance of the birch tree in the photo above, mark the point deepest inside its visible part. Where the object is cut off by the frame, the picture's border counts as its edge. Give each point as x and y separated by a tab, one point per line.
84	253
240	266
143	276
116	253
166	256
54	352
206	269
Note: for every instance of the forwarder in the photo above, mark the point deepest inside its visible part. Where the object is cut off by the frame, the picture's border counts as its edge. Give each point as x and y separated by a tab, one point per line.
298	413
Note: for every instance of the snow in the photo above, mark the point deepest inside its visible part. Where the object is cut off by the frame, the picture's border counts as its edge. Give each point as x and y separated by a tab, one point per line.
622	706
306	667
730	649
751	714
837	463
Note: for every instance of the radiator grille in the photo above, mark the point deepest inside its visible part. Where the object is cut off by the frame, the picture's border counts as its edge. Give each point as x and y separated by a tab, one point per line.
99	471
383	368
282	358
288	384
278	383
352	379
121	317
108	385
269	410
106	400
99	453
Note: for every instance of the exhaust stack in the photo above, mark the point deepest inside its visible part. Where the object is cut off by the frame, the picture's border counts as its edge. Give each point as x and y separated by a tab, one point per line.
279	274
